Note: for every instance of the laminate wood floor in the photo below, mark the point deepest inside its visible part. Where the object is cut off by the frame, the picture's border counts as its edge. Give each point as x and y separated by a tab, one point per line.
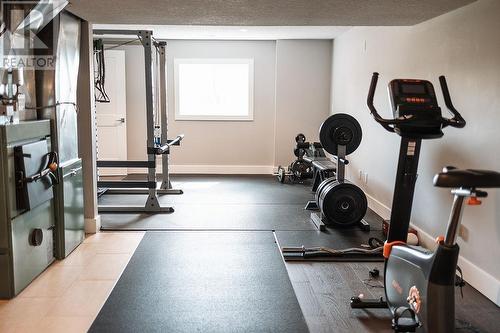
324	291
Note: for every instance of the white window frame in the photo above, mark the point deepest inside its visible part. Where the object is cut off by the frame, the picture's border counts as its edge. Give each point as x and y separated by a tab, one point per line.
248	61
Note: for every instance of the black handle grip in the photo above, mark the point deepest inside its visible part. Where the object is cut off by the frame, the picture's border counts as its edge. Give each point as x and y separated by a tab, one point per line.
457	120
48	171
369	101
371	92
166	147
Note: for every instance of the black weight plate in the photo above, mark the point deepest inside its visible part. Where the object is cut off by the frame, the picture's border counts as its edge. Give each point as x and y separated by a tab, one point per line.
340	129
300	138
320	188
299	152
300	168
343	204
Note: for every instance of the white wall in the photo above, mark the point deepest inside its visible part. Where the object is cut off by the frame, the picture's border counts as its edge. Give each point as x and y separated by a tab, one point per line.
291	95
303	77
464	45
136	103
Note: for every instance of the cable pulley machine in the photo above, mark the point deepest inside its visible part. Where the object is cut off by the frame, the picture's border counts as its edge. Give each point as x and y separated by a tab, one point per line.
158	143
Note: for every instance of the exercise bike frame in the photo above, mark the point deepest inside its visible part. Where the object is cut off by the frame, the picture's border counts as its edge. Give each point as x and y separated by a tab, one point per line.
429	275
408	283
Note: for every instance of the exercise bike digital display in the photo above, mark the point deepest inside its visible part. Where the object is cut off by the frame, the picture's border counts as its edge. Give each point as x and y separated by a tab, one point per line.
417	89
416	100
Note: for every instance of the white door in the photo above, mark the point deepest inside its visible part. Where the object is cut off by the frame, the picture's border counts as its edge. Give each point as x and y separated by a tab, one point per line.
112	116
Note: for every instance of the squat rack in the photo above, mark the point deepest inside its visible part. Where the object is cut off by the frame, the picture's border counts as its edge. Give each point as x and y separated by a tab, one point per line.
149	187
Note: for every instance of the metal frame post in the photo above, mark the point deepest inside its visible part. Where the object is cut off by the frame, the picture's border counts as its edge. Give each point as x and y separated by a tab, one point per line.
404	189
341	154
152	204
166	184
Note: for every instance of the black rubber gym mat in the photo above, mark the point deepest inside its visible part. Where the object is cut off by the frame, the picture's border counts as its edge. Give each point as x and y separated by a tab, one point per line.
215	217
203	282
219	202
223	189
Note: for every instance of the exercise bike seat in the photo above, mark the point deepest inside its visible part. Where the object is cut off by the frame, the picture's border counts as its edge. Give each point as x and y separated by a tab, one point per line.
467	178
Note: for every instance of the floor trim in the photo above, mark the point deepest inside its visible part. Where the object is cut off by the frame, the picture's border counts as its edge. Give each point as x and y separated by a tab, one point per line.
222	169
92	225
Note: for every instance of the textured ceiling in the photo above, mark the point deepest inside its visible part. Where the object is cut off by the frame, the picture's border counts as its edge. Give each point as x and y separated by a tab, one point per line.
229	32
263	12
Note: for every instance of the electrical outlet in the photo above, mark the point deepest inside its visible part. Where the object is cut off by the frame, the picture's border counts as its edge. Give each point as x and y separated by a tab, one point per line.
366	178
463	232
360	174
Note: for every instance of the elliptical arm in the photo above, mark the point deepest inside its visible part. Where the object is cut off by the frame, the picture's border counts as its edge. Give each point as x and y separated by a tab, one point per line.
371	93
457	120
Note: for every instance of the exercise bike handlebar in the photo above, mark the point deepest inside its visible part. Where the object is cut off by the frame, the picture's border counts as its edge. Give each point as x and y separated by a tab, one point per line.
386	123
456	121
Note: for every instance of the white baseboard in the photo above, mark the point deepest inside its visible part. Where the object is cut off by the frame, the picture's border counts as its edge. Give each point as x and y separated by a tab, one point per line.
484	282
214	169
378	207
93	225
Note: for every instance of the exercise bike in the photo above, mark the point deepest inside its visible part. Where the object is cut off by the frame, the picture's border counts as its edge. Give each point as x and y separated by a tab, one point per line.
419	284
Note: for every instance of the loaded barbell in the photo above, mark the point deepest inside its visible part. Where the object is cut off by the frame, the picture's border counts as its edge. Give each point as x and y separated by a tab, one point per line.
342	203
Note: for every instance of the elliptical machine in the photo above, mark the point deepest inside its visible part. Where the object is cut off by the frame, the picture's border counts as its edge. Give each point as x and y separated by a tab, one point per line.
419	284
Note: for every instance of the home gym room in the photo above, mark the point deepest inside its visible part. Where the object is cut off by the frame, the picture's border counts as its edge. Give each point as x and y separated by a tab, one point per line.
249	166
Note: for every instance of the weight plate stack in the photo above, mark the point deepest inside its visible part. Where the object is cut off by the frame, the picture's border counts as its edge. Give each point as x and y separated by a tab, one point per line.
340	129
299	152
300	138
342	203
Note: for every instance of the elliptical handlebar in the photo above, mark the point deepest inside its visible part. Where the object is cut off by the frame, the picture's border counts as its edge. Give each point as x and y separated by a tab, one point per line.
457	120
388	124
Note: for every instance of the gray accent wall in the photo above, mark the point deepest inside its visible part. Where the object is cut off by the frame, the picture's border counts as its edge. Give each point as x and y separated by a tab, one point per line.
303	76
291	95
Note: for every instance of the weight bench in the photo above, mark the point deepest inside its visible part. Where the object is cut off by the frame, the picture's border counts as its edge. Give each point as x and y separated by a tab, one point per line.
323	168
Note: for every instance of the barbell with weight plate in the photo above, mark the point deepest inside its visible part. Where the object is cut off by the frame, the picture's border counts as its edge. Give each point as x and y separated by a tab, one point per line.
342	203
340	130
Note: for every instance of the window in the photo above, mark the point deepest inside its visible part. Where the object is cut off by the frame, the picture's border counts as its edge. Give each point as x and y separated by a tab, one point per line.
213	89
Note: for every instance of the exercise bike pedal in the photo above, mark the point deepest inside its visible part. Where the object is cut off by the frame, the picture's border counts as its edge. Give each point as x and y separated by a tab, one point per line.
359	303
405	324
